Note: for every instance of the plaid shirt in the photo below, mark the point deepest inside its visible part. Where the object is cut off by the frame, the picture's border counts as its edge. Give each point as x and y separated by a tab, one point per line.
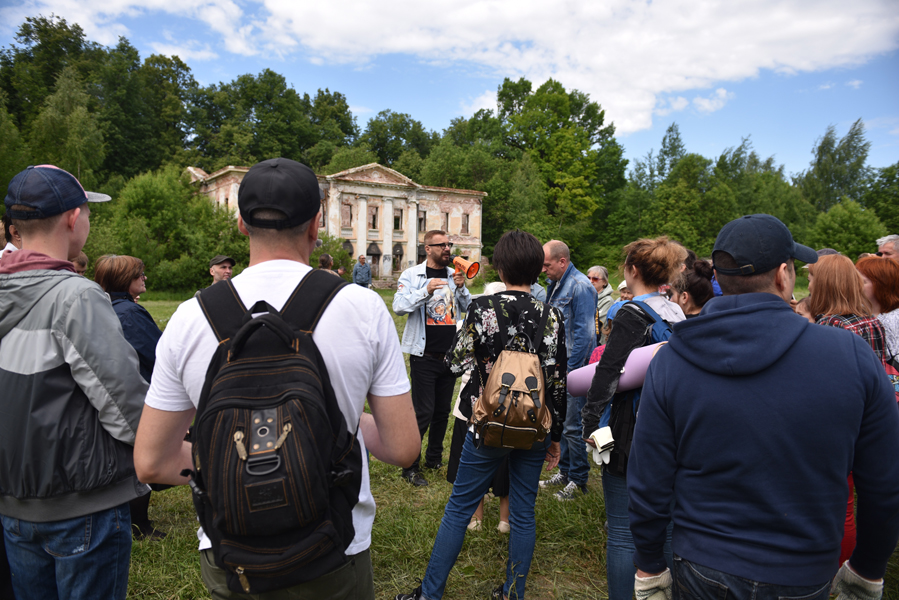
869	328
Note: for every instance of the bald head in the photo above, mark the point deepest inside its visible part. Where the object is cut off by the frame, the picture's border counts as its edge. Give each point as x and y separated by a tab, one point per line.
556	258
556	250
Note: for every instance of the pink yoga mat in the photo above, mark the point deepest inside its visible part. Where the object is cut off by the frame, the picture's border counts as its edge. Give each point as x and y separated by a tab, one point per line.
633	376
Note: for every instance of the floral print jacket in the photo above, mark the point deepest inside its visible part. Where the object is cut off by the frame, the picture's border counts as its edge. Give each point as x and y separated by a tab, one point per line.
477	345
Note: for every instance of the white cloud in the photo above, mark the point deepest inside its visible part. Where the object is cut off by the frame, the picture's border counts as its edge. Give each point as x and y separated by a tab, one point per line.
825	86
666	106
714	102
186	50
854	84
486	100
627	54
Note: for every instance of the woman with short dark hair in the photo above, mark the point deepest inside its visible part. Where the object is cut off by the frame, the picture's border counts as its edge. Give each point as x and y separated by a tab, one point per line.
518	258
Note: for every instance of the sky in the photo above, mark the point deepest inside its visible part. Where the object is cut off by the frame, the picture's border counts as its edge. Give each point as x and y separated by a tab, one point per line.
777	71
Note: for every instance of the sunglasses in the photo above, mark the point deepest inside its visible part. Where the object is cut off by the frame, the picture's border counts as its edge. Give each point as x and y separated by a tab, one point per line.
596	279
447	245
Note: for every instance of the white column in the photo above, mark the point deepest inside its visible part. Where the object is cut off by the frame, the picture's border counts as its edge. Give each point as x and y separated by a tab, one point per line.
386	236
332	219
411	256
361	226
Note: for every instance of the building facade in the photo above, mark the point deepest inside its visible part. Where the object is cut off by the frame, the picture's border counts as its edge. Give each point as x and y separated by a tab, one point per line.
378	212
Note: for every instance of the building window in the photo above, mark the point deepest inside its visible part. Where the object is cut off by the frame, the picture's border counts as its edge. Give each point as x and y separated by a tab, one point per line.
422	221
372	217
346	215
397	219
226	201
465	224
445	223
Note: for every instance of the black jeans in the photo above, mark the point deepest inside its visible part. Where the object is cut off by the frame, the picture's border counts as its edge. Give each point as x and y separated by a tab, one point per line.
432	395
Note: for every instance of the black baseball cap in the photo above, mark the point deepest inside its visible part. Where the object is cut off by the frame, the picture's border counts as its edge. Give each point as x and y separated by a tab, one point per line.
279	184
219	259
759	243
48	190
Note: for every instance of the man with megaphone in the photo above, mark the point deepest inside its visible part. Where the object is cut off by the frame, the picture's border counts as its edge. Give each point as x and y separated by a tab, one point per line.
433	296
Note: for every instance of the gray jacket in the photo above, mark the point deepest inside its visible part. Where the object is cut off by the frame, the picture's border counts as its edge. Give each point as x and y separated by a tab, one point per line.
71	401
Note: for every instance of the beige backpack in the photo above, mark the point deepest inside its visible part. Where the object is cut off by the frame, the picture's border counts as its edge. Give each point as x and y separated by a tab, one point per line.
512	411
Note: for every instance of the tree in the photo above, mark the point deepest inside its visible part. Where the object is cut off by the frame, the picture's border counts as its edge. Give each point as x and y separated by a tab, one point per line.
389	134
29	68
160	218
333	246
349	158
167	87
848	228
332	118
65	133
13	151
883	197
837	168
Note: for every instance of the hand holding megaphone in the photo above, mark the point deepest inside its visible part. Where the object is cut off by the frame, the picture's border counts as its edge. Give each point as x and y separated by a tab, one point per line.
469	268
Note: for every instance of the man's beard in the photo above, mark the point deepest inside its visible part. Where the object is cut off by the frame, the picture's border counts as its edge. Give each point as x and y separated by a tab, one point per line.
443	259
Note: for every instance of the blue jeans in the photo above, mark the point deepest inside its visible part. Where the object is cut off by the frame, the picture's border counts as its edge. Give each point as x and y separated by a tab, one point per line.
82	558
620	569
476	469
695	582
573	462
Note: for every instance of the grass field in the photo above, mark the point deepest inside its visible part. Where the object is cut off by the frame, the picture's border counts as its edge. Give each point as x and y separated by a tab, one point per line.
569	559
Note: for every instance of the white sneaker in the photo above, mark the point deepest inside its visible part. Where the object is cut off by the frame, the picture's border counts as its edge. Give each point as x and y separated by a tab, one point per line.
570	492
474	525
557	479
503	527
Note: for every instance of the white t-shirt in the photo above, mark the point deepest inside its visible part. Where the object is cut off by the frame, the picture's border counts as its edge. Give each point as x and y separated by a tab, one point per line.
356	337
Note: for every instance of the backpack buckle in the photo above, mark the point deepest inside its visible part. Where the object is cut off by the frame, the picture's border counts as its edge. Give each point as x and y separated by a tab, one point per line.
263	465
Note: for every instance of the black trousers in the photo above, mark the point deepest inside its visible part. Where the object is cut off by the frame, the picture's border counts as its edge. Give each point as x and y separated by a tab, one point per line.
432	395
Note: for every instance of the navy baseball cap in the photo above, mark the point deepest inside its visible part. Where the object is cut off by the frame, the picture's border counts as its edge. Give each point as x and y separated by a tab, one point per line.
759	243
279	184
49	191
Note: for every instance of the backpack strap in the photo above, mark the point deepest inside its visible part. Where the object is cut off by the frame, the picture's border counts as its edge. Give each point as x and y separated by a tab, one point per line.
649	312
311	297
222	308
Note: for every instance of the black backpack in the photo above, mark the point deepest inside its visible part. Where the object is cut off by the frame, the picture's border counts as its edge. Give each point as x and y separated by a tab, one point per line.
276	471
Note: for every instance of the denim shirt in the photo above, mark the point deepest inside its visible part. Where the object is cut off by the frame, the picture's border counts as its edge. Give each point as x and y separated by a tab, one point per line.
575	296
411	298
361	274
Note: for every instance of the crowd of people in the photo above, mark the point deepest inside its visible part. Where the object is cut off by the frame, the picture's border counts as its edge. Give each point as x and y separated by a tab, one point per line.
731	467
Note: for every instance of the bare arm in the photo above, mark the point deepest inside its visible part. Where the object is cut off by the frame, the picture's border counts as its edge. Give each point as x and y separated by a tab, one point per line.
391	431
160	452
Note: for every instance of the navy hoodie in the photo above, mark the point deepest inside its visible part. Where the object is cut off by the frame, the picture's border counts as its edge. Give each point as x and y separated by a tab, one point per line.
750	421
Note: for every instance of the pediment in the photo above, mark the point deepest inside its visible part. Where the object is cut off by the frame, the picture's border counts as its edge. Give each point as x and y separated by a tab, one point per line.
374	173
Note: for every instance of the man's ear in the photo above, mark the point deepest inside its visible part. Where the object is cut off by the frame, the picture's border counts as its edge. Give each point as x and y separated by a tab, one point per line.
783	282
71	217
241	227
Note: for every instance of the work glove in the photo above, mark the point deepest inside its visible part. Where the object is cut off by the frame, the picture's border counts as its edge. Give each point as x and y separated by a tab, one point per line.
604	442
657	587
849	585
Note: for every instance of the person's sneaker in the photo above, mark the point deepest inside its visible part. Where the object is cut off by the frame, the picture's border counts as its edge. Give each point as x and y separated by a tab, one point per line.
503	527
497	593
415	478
434	467
571	491
556	480
474	524
415	595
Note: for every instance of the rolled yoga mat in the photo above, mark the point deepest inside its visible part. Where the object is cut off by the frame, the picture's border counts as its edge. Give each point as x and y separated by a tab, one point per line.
632	376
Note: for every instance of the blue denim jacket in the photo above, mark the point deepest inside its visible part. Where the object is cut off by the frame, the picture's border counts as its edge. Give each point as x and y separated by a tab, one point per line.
411	298
575	296
362	274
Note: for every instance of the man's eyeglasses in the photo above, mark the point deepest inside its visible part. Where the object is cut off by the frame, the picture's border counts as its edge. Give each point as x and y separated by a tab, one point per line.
446	245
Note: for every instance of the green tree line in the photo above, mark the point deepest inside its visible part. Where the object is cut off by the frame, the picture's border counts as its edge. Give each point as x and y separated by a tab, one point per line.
546	156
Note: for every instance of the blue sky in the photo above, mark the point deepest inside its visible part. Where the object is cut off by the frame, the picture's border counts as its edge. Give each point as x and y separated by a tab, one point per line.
779	71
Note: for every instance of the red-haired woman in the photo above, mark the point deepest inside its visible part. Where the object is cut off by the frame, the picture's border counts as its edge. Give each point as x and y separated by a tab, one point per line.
880	283
838	300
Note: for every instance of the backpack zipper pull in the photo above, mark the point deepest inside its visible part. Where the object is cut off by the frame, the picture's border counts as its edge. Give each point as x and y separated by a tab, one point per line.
283	436
238	441
244	582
